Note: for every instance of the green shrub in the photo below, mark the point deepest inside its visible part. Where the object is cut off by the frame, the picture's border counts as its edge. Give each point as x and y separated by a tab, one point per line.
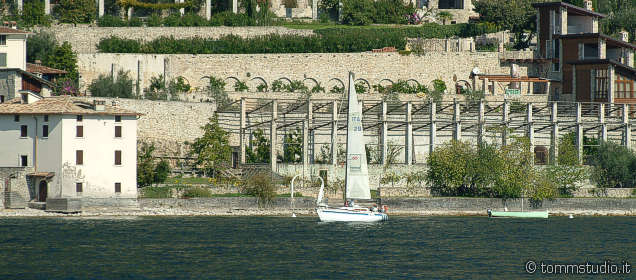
240	86
75	11
156	192
40	45
111	21
105	86
33	14
614	166
194	192
154	20
261	186
135	22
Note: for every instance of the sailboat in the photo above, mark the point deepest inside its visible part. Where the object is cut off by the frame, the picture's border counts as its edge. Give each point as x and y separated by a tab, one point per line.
356	173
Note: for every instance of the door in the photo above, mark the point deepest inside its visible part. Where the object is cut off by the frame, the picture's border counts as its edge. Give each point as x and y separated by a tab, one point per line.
43	191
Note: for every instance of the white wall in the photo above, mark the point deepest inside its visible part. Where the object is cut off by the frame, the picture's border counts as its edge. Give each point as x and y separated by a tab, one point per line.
49	152
11	144
15	50
99	172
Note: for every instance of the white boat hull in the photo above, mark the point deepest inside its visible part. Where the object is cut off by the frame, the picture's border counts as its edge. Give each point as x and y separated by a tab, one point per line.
347	215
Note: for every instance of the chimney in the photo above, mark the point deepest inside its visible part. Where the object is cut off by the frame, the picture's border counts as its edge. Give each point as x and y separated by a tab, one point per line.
588	5
98	105
38	62
624	36
14	24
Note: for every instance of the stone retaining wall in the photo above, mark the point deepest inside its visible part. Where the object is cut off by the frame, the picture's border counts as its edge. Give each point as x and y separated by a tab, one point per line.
21	190
84	38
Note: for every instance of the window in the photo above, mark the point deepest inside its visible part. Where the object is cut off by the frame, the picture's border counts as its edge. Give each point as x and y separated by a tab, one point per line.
80	118
45	130
79	131
1	98
117	157
556	54
117	118
23	160
46	118
79	157
590	51
3	60
16	118
23	131
3	40
118	131
600	85
78	187
117	187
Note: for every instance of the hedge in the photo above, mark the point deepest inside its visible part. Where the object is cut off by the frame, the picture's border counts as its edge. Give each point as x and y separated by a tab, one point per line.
329	40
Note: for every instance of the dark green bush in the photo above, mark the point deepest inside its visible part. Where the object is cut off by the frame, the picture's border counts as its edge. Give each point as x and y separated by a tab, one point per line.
155	192
75	11
40	45
135	22
154	20
261	186
105	86
194	192
614	166
111	21
33	14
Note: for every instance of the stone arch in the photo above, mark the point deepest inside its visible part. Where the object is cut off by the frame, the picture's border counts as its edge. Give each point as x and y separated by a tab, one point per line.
232	85
337	82
413	80
366	82
263	82
313	80
389	80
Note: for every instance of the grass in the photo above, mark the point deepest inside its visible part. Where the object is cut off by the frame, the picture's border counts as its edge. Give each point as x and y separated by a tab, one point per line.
156	192
296	194
188	181
196	192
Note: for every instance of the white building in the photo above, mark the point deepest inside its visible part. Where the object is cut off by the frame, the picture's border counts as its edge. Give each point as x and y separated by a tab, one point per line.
73	149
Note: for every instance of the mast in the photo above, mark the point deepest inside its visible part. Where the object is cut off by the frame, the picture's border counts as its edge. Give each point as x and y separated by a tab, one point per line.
351	77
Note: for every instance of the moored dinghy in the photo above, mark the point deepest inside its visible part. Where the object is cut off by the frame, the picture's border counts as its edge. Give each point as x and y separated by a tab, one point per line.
356	173
518	214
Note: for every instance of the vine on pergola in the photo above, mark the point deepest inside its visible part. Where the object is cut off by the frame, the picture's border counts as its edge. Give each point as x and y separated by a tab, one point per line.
155	6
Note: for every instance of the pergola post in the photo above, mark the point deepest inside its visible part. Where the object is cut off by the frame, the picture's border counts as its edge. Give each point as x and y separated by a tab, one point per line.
272	135
314	9
433	128
47	7
130	13
334	133
506	123
306	134
208	9
601	120
484	85
627	128
181	10
385	129
554	136
457	129
235	6
579	133
242	130
408	141
305	147
20	5
480	123
530	132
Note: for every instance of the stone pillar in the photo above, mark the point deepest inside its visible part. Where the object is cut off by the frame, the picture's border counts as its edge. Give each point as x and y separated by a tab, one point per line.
579	132
611	89
506	123
47	7
627	128
100	8
457	129
547	89
235	6
273	130
433	128
530	132
140	78
484	85
208	9
113	71
385	131
166	71
130	12
408	141
20	5
554	136
310	144
243	120
334	133
480	123
314	9
601	120
305	147
182	10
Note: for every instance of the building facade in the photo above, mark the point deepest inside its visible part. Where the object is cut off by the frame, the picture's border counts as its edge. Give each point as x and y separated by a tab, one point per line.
73	149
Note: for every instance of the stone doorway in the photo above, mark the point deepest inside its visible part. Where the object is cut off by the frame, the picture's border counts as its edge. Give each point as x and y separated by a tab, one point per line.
43	191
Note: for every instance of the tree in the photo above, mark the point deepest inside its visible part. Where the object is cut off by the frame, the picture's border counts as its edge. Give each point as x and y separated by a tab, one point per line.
147	171
614	166
63	58
212	150
106	86
292	147
444	16
33	14
259	149
516	15
40	46
75	11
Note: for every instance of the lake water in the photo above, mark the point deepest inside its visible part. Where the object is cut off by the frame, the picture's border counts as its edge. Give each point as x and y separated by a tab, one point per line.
303	248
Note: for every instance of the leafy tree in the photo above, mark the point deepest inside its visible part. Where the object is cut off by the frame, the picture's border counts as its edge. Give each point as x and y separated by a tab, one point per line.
161	172
614	166
62	57
33	14
212	150
147	171
516	15
75	11
329	7
293	146
106	86
357	12
40	45
259	150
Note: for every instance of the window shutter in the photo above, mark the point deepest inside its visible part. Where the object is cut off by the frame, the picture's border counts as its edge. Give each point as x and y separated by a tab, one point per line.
117	157
118	131
3	60
79	131
79	157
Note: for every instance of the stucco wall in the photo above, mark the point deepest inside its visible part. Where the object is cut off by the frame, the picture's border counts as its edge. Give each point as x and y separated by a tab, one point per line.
15	50
84	38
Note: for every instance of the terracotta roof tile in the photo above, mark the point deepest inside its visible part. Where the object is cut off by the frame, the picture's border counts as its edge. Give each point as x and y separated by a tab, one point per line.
8	30
60	105
41	69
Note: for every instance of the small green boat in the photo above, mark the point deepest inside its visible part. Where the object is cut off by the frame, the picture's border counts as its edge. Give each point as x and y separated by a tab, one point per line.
518	214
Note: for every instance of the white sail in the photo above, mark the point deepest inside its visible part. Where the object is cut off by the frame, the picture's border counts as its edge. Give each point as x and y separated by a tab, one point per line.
357	174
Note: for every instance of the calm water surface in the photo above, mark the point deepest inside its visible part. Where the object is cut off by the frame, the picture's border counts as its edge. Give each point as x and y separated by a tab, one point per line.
302	248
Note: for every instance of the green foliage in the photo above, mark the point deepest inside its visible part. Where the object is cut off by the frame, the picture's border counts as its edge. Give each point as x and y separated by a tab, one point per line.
216	90
614	166
360	88
365	12
444	16
317	88
439	85
240	86
106	86
621	16
155	192
194	192
154	20
149	172
40	45
261	186
75	11
415	179
111	21
337	90
33	14
292	146
212	150
296	86
261	88
278	86
63	58
515	15
357	12
328	10
390	177
179	84
216	83
259	150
